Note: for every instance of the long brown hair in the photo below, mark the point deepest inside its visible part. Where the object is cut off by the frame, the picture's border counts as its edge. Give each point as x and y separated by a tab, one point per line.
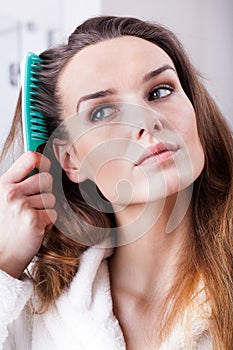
211	253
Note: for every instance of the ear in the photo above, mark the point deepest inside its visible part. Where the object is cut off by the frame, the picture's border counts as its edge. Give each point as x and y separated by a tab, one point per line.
68	159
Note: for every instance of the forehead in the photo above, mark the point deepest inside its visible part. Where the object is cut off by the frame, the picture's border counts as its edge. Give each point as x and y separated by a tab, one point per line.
119	61
116	50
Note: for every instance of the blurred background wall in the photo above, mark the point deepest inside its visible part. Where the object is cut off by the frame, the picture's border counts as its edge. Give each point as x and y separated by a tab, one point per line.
205	27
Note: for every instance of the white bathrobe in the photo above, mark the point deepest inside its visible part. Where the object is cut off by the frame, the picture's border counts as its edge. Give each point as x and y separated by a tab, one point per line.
82	317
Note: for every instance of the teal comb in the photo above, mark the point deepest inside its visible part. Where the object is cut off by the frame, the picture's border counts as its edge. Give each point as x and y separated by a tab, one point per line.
35	129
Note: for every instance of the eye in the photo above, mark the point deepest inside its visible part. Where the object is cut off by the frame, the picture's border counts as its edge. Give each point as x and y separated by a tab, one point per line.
160	92
103	112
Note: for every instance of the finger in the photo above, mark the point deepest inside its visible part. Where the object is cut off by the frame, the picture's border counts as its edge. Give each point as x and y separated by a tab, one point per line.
42	201
38	183
24	165
47	218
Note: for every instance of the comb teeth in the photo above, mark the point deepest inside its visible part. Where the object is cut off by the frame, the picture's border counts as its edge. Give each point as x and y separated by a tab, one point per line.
34	122
38	123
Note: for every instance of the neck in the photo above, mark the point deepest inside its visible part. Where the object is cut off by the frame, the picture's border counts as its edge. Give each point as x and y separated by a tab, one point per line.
150	241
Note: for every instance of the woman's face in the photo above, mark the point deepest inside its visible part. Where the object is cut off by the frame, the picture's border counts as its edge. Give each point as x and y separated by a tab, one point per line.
133	129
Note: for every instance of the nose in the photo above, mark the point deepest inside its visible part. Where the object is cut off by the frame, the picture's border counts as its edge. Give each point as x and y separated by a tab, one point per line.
157	126
147	121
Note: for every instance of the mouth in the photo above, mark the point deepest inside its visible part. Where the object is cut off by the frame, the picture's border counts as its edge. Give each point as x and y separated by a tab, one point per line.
157	153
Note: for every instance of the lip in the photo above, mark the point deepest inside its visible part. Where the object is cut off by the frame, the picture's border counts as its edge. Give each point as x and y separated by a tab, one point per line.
158	152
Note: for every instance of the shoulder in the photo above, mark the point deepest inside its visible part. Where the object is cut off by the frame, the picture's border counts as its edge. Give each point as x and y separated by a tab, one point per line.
83	314
14	292
91	278
14	295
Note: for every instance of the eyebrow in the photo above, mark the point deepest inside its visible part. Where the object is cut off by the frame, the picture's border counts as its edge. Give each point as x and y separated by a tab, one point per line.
95	95
110	92
157	72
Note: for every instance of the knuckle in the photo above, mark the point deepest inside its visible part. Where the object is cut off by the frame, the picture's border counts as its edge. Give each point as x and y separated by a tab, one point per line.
53	216
23	206
45	162
48	162
32	156
11	194
45	181
47	177
52	199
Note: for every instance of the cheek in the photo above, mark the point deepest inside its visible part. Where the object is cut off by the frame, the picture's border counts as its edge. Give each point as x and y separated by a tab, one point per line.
182	123
193	141
102	155
197	156
192	144
114	181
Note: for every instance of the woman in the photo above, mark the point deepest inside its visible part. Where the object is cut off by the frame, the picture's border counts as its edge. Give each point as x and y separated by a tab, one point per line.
146	132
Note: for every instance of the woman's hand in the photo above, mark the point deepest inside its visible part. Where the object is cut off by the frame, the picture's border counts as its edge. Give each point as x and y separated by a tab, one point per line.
26	211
